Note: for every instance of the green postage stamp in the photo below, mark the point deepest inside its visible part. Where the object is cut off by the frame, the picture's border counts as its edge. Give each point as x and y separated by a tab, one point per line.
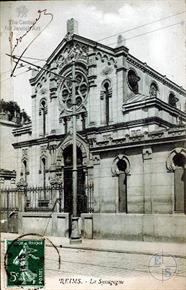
25	263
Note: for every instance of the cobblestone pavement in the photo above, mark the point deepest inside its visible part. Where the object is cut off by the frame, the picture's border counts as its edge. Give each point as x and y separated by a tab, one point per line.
87	269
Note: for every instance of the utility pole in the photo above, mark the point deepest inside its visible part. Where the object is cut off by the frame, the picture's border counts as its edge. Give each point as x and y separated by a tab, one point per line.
75	235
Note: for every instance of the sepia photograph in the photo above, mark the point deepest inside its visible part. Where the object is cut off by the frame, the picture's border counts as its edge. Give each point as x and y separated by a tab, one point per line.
93	145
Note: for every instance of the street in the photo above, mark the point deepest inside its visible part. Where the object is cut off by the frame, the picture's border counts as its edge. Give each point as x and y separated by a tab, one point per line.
86	269
91	269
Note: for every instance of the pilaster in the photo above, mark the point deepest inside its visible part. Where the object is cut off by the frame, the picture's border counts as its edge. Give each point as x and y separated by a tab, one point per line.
147	175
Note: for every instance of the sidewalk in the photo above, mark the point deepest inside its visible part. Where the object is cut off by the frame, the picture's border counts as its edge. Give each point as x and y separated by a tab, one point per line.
118	246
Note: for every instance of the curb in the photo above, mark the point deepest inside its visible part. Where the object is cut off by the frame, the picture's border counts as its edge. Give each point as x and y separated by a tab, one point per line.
117	251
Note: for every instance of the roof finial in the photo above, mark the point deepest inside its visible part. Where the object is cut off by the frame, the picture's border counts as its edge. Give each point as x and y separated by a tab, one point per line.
121	40
72	26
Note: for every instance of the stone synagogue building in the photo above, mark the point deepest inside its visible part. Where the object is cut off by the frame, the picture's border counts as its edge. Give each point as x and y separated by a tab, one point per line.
131	155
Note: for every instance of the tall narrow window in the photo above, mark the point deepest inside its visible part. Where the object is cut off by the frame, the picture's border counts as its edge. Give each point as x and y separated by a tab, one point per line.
83	121
179	183
106	94
25	170
43	112
107	112
43	161
65	125
122	186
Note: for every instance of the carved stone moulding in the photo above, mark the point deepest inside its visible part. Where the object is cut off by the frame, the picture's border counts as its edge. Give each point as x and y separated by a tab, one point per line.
170	160
114	167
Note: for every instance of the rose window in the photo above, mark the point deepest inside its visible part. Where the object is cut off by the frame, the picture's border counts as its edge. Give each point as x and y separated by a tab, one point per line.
81	90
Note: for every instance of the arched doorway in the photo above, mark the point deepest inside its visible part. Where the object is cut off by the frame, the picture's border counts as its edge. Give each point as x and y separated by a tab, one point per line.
68	182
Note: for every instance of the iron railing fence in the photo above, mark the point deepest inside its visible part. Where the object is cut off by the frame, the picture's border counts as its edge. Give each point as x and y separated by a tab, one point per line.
9	199
90	196
49	198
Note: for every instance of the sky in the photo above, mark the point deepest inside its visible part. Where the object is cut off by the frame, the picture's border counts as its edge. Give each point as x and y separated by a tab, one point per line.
164	49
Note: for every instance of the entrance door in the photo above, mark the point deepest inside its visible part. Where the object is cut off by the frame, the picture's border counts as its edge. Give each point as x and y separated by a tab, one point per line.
68	183
68	198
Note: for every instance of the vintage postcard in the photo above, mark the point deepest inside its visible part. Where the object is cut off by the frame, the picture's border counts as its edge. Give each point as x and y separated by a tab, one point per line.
92	144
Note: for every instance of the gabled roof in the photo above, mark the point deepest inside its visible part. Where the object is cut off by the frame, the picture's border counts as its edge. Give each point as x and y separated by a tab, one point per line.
113	52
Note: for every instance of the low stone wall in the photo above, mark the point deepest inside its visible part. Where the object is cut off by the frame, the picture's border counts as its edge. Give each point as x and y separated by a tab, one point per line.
55	224
149	227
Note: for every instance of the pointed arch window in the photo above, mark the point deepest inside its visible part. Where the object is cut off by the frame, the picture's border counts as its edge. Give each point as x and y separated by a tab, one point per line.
43	113
43	171
106	95
25	170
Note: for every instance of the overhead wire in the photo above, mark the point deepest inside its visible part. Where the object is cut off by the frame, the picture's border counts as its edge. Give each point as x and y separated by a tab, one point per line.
148	32
21	66
140	26
129	38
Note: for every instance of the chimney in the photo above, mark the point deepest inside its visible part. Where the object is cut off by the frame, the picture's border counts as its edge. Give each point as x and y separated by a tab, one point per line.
121	41
72	26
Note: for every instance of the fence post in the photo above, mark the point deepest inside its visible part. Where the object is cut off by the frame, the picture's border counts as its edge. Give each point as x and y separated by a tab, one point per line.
22	195
7	203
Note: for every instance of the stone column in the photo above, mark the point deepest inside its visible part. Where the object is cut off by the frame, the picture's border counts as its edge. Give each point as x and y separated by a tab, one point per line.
147	175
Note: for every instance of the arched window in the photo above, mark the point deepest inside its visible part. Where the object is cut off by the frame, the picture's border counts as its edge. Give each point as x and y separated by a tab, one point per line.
43	171
106	94
43	112
133	80
153	91
25	170
122	186
121	169
179	161
172	100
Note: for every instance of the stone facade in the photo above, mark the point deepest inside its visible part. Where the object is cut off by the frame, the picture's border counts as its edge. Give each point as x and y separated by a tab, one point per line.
131	139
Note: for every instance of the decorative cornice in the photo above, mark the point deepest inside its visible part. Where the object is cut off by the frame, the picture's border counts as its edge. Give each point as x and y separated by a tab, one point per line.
23	130
7	174
153	102
171	135
129	143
